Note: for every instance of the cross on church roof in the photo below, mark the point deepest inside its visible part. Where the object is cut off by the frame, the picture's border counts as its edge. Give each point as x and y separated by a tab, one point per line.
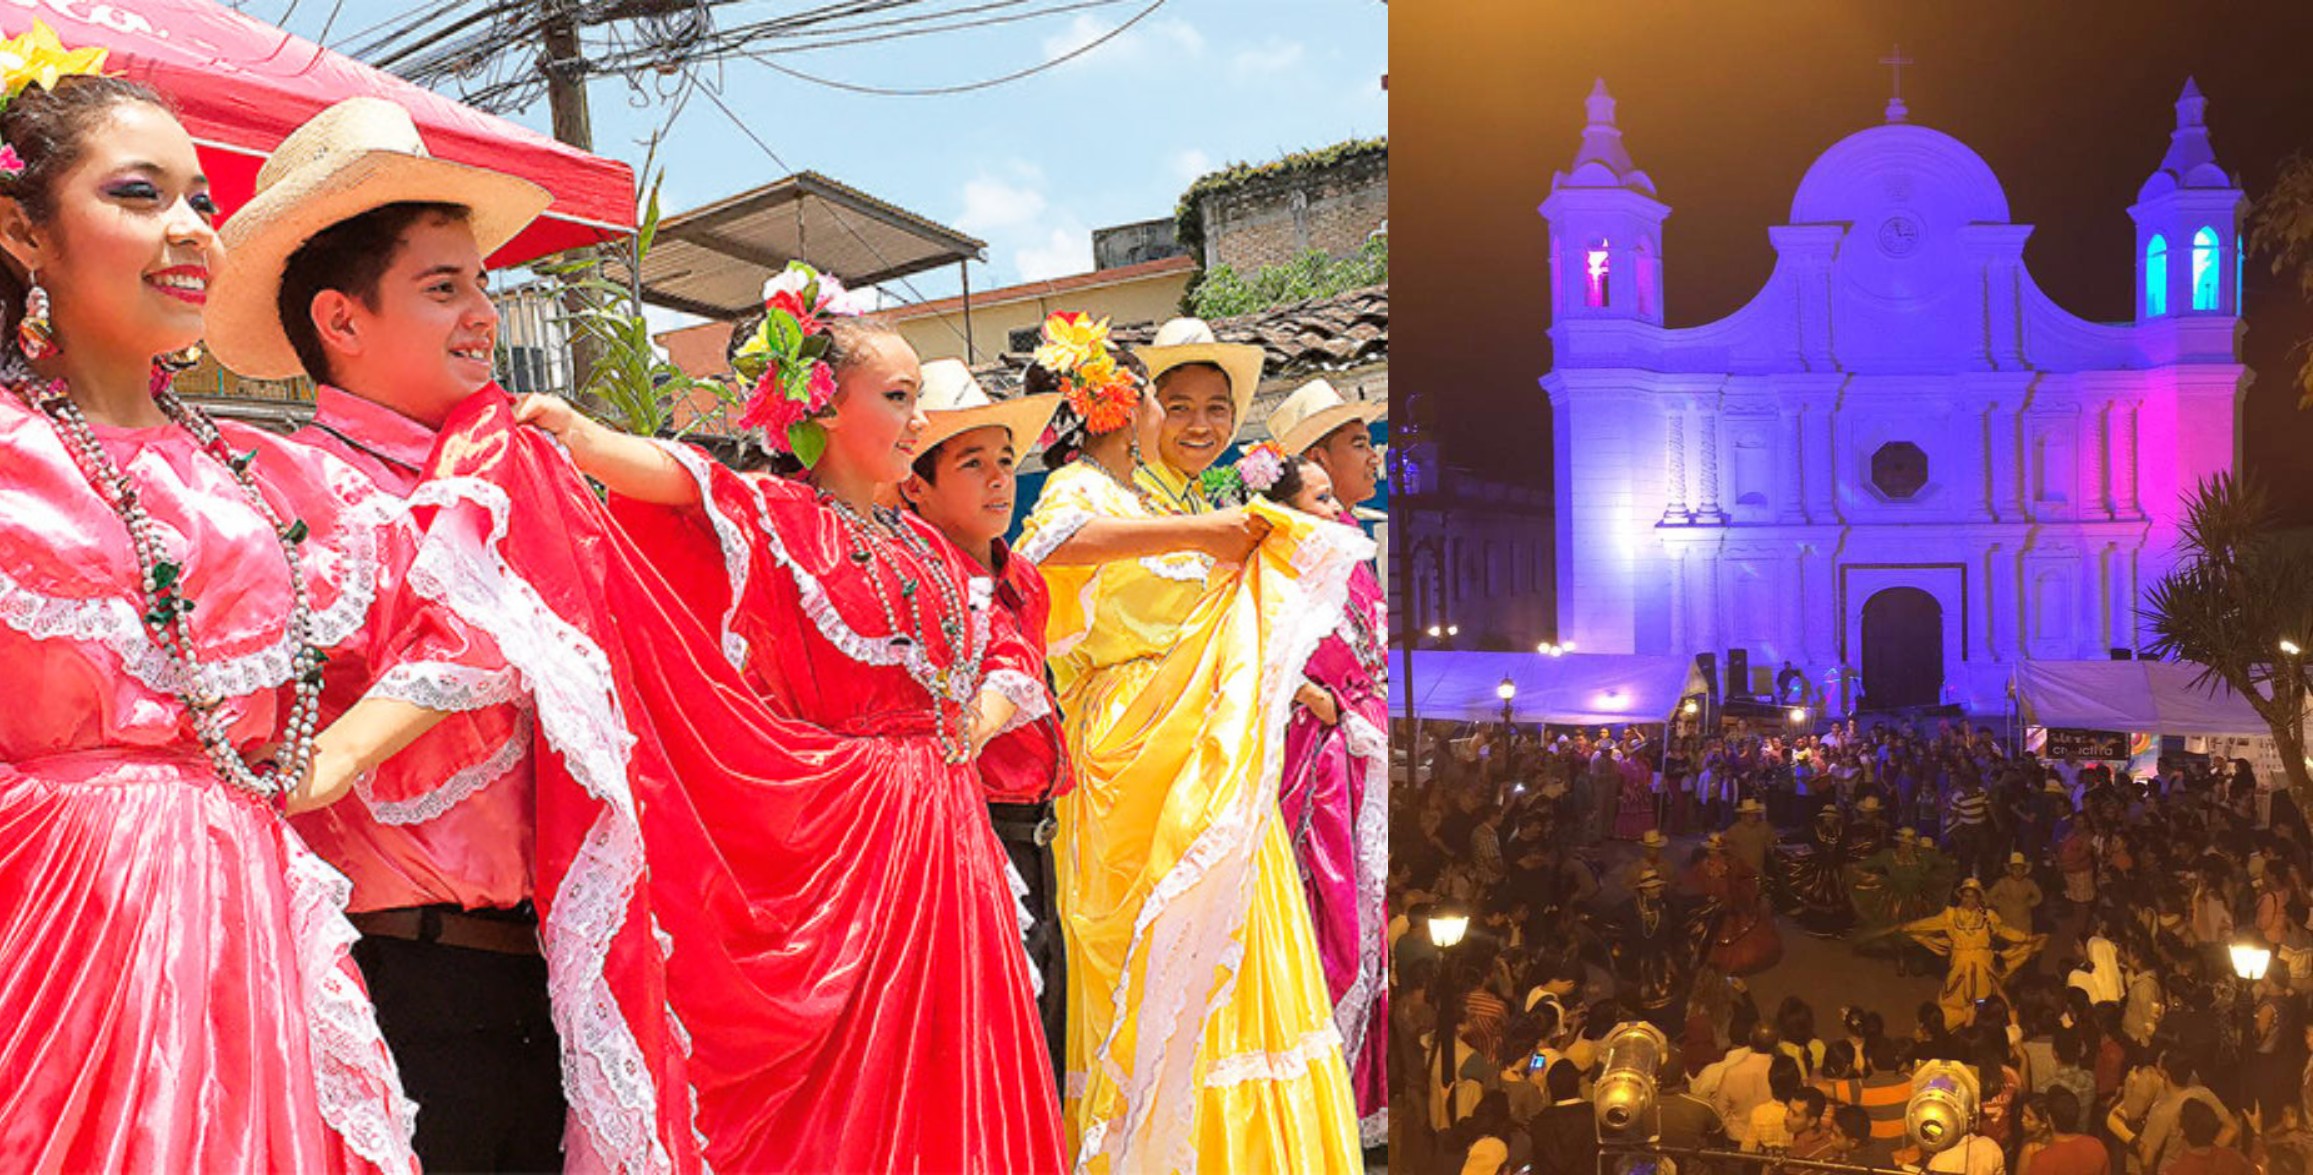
1896	111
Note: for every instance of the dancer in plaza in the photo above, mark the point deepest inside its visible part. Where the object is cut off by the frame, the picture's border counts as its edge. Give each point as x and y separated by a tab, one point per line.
1199	1024
1980	948
964	480
1334	790
1743	938
176	991
1901	883
1815	875
358	264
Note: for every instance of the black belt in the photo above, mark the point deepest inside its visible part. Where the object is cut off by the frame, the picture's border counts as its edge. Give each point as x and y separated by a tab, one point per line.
504	932
1031	823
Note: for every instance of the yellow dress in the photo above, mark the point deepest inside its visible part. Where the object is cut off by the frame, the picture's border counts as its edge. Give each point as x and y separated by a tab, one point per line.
1975	940
1200	1035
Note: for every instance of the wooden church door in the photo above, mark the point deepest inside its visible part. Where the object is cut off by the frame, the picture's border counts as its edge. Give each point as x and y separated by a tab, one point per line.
1903	649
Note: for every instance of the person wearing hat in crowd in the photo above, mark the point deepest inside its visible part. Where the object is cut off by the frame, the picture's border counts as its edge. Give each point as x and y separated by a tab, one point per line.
963	482
359	263
1743	937
1752	838
1334	788
1656	941
1867	831
1177	664
1980	946
2015	896
1898	884
1650	846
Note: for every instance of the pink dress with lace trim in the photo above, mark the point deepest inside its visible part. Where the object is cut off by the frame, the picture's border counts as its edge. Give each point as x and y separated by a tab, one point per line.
175	992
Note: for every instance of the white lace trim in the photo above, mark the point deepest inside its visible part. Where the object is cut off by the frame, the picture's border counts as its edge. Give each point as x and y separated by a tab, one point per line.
1373	1129
894	649
447	686
358	1089
115	623
728	536
611	1091
1353	1014
1291	1064
1026	918
1028	696
1053	533
454	790
1183	567
1211	878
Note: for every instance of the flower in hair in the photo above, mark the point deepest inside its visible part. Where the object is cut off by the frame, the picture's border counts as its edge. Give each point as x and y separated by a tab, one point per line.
786	357
38	58
1075	349
11	164
1261	467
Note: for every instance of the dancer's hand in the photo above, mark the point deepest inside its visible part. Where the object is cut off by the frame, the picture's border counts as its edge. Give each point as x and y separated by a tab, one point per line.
550	413
1231	535
1319	701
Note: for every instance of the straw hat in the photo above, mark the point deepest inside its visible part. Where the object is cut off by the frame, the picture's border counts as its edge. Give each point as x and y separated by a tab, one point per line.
954	403
360	154
1190	340
1653	838
1647	879
2017	859
1311	414
1749	806
1907	833
1969	883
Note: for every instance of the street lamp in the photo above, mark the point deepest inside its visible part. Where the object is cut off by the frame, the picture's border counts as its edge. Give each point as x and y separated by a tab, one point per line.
1507	691
2289	647
1692	708
1798	715
2250	961
1448	923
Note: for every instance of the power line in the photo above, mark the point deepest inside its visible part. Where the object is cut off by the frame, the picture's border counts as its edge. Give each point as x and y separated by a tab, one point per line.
968	87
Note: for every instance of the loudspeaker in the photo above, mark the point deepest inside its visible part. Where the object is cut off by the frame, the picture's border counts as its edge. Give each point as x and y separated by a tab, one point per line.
1708	665
1738	672
2123	654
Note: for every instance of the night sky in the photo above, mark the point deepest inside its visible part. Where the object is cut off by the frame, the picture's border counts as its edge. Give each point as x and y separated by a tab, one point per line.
1726	104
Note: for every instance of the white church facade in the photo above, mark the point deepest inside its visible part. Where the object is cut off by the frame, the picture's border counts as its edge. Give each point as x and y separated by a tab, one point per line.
1900	465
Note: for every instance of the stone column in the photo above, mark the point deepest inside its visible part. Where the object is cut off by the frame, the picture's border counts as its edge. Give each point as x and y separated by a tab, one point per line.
1675	453
2124	416
1707	508
2095	451
1791	438
2006	466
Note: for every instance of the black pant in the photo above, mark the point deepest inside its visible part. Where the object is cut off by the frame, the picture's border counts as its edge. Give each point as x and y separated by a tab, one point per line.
474	1038
1016	826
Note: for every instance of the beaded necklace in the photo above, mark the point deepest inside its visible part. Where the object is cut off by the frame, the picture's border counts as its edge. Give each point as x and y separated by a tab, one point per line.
168	611
896	561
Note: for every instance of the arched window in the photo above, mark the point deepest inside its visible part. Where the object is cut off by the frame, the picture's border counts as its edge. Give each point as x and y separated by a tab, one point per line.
2205	269
1594	275
2156	277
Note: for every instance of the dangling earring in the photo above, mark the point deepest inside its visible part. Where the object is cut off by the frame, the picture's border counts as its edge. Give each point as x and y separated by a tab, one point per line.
182	360
35	335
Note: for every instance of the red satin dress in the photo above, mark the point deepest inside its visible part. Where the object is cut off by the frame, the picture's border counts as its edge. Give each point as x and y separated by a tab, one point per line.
175	988
822	969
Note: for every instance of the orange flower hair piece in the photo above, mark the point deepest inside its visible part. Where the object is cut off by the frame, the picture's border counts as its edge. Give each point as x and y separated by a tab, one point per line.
1076	349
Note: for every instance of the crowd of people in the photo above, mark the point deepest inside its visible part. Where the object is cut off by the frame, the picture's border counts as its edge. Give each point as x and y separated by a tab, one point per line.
2085	924
686	818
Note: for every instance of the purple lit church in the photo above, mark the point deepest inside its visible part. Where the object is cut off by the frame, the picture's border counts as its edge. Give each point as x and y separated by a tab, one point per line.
1900	465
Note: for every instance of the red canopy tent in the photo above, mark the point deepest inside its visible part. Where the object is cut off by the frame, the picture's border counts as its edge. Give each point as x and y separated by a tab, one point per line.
241	86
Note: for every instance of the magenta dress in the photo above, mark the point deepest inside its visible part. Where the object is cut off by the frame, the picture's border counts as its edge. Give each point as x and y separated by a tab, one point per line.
1334	799
175	988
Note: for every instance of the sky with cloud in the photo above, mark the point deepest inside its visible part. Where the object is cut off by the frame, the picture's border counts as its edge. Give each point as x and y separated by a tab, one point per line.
1033	166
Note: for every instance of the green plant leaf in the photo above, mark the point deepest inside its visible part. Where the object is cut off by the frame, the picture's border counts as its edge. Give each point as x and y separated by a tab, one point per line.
808	440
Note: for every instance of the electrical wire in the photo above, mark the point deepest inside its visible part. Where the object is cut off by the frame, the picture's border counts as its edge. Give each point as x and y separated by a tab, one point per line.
968	87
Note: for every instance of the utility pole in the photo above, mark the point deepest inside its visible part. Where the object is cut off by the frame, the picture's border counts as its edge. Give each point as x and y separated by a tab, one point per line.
565	67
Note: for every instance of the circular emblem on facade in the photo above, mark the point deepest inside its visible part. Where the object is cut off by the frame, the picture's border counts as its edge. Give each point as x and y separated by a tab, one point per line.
1898	236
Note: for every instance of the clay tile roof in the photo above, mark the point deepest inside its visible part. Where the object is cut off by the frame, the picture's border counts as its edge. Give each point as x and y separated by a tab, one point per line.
1349	329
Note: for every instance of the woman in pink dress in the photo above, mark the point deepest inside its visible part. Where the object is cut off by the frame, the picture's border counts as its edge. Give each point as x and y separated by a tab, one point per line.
175	988
808	676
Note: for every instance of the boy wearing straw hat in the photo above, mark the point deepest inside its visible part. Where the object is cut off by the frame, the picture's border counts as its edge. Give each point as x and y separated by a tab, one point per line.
1317	423
964	484
359	263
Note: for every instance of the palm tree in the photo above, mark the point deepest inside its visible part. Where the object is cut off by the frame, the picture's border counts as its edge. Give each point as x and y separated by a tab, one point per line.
2240	605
